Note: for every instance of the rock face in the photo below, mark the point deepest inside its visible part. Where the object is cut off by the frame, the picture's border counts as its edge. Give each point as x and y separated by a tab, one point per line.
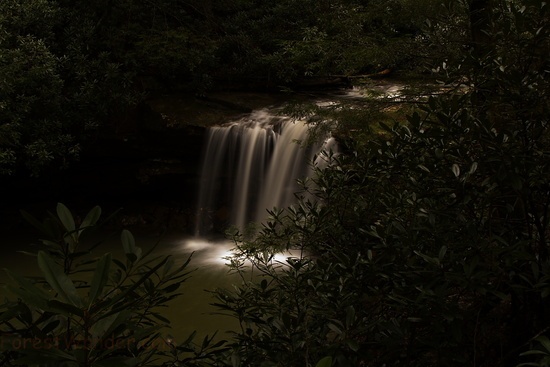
146	162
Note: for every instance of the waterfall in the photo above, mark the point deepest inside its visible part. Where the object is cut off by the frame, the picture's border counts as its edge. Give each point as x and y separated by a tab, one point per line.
251	165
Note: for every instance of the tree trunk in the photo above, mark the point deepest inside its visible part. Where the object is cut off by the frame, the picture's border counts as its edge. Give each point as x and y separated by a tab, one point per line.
480	25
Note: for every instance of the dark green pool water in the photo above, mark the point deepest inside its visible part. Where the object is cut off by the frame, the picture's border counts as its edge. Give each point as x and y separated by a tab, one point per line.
191	311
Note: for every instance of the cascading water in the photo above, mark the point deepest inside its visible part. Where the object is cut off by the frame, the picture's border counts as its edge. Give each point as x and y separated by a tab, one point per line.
251	165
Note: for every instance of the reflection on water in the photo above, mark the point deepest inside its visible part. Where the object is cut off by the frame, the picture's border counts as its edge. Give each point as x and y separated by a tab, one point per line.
208	252
192	310
218	252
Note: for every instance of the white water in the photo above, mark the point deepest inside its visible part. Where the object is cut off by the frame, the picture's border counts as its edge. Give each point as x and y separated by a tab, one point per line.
250	166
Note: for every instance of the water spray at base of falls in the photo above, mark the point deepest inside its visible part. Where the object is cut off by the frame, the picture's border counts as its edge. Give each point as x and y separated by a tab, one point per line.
250	166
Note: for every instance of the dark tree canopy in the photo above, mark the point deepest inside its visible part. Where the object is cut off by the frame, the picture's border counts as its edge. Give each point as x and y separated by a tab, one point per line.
425	242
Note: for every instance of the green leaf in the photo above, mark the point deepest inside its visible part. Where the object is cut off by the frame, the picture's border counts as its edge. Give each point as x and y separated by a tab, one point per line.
386	127
91	218
335	328
26	284
168	266
456	170
66	217
325	362
424	168
206	341
103	328
544	341
119	264
128	242
353	345
58	280
132	257
51	326
442	252
122	295
235	358
190	338
30	298
65	308
428	259
473	167
28	292
150	333
516	182
534	352
350	316
171	288
161	318
101	276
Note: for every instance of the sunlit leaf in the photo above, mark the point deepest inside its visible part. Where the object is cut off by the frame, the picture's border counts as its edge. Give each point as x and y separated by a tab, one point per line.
456	169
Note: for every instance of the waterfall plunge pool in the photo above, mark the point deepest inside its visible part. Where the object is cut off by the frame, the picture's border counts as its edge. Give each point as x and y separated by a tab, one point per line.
249	165
192	310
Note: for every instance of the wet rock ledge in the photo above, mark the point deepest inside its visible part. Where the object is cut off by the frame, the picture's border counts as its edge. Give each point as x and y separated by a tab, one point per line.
147	162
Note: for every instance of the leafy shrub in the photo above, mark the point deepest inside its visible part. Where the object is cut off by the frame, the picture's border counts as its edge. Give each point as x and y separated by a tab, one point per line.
423	246
428	248
89	311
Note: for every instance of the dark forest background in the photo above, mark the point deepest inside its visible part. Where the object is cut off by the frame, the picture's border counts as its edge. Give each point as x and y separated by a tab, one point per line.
425	243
